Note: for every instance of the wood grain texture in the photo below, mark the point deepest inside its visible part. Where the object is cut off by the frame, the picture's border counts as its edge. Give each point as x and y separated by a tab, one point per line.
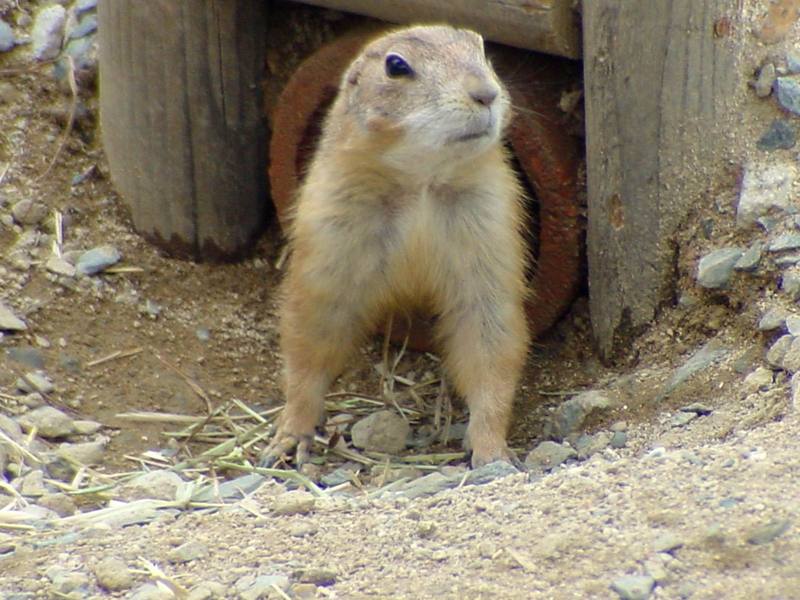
550	26
660	89
181	115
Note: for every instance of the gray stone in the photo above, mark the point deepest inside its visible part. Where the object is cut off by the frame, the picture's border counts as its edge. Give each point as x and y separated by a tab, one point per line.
59	503
49	422
778	350
157	485
85	453
9	321
774	318
697	408
382	431
84	427
795	385
786	241
710	353
682	419
11	428
341	475
619	440
48	32
548	455
59	266
750	259
766	533
787	89
790	283
780	136
113	574
791	359
667	542
64	582
233	489
589	445
7	38
787	260
209	590
490	472
765	188
27	355
86	26
32	484
150	591
297	502
634	587
251	587
429	485
35	381
793	324
793	60
28	212
760	379
82	6
191	550
765	80
317	576
572	414
715	269
97	259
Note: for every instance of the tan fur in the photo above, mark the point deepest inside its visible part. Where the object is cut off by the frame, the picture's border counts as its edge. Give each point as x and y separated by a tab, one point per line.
398	212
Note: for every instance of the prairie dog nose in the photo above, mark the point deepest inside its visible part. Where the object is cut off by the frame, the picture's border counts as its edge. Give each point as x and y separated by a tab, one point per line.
482	91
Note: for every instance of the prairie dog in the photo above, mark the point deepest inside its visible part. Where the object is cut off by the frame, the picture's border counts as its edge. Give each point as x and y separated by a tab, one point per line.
409	202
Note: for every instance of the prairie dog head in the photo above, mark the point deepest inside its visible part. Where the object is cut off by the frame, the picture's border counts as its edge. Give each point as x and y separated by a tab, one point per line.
430	93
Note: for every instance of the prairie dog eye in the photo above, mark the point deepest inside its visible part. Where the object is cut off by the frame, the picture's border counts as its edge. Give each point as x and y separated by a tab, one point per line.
397	66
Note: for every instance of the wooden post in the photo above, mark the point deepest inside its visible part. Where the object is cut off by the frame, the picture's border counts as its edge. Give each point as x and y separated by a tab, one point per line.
550	26
660	80
182	119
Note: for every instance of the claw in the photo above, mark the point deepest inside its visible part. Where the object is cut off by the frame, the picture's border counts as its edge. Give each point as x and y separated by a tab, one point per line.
282	445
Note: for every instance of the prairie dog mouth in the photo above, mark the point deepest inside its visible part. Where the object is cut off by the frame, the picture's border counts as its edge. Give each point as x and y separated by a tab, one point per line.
472	135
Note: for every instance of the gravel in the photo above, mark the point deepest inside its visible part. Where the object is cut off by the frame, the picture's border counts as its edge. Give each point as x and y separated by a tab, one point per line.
787	90
715	269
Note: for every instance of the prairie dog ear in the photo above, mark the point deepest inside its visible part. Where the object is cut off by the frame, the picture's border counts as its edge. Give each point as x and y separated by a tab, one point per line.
352	75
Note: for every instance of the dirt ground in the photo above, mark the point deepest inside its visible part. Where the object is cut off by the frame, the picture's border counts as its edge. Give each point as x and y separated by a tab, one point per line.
712	488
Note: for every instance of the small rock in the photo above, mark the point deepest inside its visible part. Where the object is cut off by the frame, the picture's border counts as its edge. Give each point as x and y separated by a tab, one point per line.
49	422
382	431
32	485
790	283
191	550
303	591
572	414
86	453
698	409
82	6
791	359
65	582
86	26
589	445
764	534
303	529
59	503
59	266
83	427
682	419
35	382
489	472
97	259
548	455
710	353
150	591
787	260
760	379
619	440
787	90
297	502
634	587
428	485
793	60
113	574
715	269
27	355
251	587
778	350
765	80
787	241
9	321
765	188
341	475
779	136
750	259
667	542
774	318
317	576
795	383
157	485
203	334
28	212
7	38
210	590
48	31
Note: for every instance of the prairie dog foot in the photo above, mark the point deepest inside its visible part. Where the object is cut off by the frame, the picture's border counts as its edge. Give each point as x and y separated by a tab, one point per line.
480	459
290	436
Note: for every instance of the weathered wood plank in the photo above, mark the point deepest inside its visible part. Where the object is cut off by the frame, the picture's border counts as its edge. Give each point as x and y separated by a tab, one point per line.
545	25
182	119
659	86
